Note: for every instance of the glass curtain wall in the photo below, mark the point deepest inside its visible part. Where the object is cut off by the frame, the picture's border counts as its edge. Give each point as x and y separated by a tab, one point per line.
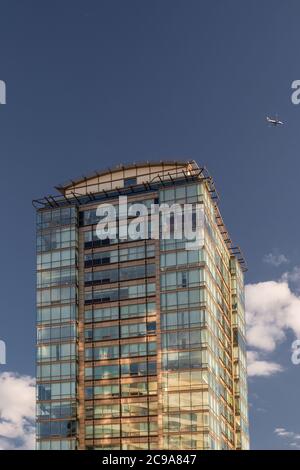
197	388
57	314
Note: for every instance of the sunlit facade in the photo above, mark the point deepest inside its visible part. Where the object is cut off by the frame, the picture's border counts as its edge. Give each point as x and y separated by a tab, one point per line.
140	344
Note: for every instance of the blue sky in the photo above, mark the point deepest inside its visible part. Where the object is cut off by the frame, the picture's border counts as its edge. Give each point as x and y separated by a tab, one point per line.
96	83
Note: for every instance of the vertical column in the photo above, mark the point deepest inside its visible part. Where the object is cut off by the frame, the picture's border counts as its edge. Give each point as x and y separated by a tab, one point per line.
239	356
57	315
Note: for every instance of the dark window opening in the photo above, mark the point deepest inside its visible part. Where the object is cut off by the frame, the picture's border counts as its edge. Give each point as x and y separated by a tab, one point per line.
129	182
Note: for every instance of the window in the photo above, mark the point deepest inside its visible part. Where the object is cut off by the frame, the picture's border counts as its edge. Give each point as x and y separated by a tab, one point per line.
89	393
56	259
138	349
184	193
180	258
103	257
139	409
139	389
56	295
182	299
56	239
179	320
102	372
129	182
182	340
184	360
137	252
54	217
91	240
102	391
56	410
102	411
130	292
182	279
56	314
139	429
137	329
151	327
113	256
56	390
56	371
106	352
122	274
135	272
186	400
185	422
101	277
102	431
138	368
56	352
56	333
102	314
137	310
101	334
57	444
102	296
90	217
182	380
57	428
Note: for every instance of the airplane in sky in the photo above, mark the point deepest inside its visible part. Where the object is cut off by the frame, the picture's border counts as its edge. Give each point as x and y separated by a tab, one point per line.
274	121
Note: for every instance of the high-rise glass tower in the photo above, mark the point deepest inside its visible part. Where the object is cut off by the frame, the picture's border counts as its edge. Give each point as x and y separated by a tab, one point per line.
140	343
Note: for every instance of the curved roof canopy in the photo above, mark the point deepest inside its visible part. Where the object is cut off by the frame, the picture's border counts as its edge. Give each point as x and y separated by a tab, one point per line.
143	172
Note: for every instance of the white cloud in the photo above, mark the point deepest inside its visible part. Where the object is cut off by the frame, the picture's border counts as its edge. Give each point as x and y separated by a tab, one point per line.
282	432
272	309
275	259
292	277
289	435
17	411
258	367
294	444
279	430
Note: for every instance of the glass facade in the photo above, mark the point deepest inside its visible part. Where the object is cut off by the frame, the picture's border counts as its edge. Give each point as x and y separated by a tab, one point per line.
120	376
196	337
140	344
57	330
